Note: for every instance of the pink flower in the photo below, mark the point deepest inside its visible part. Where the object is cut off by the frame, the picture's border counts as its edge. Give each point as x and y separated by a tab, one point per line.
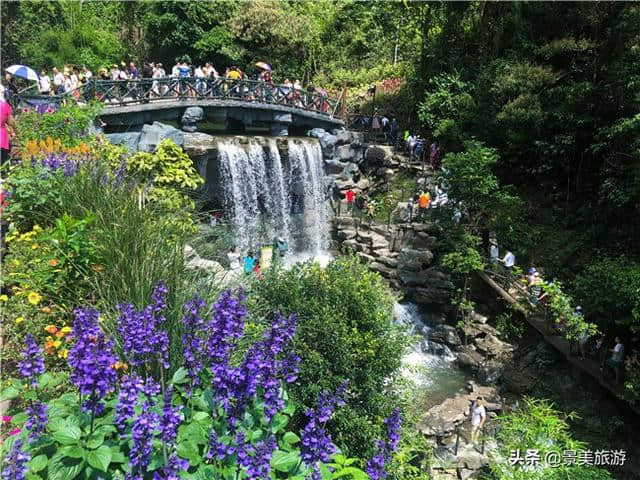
6	418
15	432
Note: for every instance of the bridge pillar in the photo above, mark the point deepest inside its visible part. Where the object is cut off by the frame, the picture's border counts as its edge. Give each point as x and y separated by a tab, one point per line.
279	129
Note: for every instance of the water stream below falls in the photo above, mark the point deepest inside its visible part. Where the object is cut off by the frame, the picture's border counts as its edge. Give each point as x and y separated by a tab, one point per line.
431	366
275	188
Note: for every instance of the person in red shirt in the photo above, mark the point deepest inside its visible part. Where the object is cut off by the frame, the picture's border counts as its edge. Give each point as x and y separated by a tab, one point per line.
350	196
256	270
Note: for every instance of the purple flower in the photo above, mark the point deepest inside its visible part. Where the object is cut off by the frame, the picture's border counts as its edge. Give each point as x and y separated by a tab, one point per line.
32	363
145	339
142	433
131	386
15	467
91	358
316	442
192	340
37	420
217	448
171	418
260	462
172	470
376	466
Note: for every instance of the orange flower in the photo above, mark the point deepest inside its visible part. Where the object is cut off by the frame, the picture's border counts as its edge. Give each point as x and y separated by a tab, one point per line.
51	329
59	334
54	262
46	310
49	347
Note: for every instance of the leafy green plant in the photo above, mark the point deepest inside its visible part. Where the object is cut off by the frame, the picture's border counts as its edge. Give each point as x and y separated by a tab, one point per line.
345	332
509	326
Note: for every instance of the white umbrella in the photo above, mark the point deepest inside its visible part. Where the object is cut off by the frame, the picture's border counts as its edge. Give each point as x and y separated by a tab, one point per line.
22	71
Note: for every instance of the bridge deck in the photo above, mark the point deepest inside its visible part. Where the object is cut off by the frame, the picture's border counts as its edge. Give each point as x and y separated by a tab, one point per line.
588	366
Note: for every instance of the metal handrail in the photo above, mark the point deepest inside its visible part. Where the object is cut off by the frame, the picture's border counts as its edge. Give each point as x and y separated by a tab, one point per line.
114	93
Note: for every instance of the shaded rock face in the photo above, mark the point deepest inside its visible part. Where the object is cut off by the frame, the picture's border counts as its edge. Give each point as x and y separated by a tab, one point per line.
152	135
128	139
445	334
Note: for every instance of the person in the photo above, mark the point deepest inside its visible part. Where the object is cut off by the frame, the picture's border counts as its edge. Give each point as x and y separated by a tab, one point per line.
411	143
617	358
535	285
393	132
350	197
423	203
58	81
509	260
478	417
234	259
200	83
494	251
410	209
183	72
256	269
249	260
44	83
375	123
281	247
598	349
7	127
88	74
133	71
310	91
434	156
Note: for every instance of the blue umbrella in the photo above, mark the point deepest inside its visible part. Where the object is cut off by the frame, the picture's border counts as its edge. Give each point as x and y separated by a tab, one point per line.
22	71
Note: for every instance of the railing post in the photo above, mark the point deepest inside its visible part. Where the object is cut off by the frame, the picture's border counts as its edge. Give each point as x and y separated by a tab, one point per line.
455	452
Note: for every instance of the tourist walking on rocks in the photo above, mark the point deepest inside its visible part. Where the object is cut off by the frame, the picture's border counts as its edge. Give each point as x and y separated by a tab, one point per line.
535	286
44	83
617	358
393	132
423	203
350	196
478	417
249	261
509	260
494	252
234	259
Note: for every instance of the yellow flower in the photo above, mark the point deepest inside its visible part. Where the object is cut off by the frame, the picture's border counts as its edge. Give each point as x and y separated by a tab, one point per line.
34	298
64	353
35	246
65	330
57	343
20	319
46	309
16	262
4	298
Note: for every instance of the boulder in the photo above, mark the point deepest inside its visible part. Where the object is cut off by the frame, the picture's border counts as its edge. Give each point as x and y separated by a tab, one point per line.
433	293
382	269
152	135
445	334
363	256
350	170
333	167
478	318
374	158
316	132
353	245
357	139
279	129
346	221
346	234
343	136
492	346
466	474
127	139
471	458
363	184
194	262
423	241
468	358
386	259
328	142
191	116
344	153
400	214
412	259
198	144
490	372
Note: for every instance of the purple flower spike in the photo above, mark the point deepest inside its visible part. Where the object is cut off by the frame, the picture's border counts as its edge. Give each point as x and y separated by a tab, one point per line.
193	339
32	363
91	358
376	466
15	463
171	418
37	420
131	386
172	470
142	433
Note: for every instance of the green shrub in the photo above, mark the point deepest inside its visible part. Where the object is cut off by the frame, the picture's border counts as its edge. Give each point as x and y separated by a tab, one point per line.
345	332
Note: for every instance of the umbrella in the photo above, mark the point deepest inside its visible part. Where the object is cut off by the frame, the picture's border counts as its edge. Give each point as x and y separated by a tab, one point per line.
263	66
22	71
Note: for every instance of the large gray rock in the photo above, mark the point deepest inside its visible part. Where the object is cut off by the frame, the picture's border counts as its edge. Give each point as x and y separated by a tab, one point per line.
445	334
350	170
192	115
346	234
345	153
490	372
382	269
316	132
152	135
328	144
333	167
469	358
128	139
344	136
492	346
198	144
414	260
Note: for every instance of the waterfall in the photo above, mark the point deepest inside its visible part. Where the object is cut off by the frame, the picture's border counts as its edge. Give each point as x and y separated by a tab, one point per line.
271	189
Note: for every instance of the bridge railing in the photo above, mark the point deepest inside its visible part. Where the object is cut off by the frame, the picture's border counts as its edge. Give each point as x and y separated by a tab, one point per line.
114	93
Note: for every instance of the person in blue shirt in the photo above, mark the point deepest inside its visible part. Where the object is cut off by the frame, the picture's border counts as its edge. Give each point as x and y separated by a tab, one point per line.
249	260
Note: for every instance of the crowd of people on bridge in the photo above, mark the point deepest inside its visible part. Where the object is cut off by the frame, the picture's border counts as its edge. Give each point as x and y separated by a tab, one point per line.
183	79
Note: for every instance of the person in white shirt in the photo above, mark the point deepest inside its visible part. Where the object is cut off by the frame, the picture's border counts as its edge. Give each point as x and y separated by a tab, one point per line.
73	78
617	358
478	417
509	260
494	252
44	83
234	259
87	73
58	80
200	85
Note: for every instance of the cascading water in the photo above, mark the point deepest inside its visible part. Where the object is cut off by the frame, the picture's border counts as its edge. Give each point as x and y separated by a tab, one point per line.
429	365
275	189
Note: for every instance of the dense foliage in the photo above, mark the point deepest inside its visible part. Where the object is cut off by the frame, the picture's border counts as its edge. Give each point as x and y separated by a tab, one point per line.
345	332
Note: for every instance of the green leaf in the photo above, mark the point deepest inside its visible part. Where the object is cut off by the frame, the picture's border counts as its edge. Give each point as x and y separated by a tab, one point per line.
38	463
100	458
291	438
117	456
284	461
189	451
9	393
356	473
200	416
73	451
62	467
180	376
69	435
44	380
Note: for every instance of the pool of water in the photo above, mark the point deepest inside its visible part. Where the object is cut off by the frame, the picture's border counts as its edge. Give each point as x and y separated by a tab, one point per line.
430	367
